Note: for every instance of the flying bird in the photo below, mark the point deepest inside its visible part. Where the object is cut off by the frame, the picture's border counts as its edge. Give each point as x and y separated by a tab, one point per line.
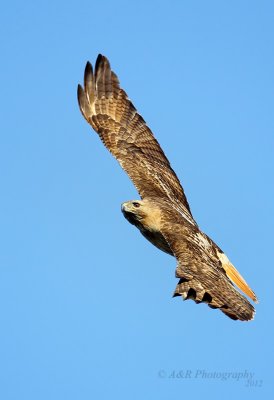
162	215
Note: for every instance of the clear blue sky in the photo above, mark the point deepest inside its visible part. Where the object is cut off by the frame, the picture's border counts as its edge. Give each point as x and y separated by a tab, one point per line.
86	303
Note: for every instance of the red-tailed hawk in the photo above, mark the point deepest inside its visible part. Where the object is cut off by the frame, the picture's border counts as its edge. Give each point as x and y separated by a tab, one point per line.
163	214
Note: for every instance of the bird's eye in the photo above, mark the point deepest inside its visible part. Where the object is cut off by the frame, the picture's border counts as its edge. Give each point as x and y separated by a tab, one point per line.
135	204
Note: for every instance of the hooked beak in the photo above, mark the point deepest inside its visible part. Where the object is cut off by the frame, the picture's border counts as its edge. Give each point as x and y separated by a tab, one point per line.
126	209
123	207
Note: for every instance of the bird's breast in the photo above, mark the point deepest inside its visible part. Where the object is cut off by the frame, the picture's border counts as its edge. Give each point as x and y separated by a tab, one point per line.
157	239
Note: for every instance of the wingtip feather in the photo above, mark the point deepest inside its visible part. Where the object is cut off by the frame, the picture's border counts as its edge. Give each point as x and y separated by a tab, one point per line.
88	71
82	101
99	61
80	94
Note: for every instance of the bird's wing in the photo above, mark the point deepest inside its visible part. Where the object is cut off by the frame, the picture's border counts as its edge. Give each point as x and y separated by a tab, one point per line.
108	110
201	273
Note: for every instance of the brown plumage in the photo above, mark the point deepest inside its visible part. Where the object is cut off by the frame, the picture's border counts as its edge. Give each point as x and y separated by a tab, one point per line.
163	215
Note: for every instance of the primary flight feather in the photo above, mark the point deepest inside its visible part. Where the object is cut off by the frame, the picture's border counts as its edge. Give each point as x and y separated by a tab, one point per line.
163	214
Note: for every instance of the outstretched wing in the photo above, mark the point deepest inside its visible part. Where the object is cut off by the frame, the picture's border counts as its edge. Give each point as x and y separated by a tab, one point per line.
202	275
108	110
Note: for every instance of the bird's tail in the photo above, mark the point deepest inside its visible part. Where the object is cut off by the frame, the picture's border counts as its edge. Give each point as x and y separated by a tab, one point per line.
236	277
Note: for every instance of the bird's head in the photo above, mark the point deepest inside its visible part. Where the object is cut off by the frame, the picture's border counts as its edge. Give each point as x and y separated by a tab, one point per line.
134	211
142	213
